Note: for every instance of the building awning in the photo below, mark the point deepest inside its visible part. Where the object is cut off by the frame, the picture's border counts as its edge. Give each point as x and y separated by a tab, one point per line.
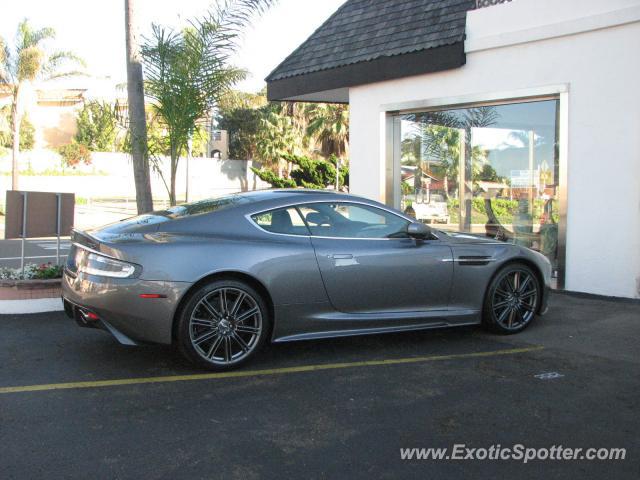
367	41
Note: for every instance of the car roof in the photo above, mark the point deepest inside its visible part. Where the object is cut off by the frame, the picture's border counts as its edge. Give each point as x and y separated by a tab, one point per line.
286	196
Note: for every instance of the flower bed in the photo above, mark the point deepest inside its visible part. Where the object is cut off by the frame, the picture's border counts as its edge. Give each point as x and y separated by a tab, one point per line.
40	281
32	271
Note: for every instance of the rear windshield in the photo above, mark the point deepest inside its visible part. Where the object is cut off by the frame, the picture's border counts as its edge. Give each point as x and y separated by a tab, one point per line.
204	206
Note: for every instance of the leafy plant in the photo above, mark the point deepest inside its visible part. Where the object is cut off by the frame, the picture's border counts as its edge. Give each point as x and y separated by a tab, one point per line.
97	126
73	154
32	271
329	125
27	62
187	71
27	133
271	131
307	173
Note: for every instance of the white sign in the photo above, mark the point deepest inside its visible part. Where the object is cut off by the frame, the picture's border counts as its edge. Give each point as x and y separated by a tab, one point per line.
525	178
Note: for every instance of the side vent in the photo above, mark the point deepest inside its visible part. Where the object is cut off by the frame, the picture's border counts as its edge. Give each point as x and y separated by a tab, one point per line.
472	260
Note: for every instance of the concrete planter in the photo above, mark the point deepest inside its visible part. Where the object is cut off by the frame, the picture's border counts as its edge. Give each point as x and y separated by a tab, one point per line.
29	289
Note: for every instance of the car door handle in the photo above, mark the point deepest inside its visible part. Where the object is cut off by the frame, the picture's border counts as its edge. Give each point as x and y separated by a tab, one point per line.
341	256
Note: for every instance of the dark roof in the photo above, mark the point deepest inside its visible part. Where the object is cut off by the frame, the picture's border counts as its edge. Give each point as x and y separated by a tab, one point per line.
369	30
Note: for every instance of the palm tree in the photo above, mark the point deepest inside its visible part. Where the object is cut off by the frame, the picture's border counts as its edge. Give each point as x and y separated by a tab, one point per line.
329	125
443	145
30	61
187	72
137	115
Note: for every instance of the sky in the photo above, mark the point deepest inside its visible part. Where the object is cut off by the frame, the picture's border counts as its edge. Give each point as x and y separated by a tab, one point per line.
94	29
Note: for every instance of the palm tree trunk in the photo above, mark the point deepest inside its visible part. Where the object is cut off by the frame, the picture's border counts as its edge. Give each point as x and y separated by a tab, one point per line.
174	171
446	185
137	118
15	119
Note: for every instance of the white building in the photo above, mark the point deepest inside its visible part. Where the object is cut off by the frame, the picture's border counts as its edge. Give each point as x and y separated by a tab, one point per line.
544	92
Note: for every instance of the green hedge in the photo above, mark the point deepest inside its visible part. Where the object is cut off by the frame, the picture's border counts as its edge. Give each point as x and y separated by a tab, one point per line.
503	209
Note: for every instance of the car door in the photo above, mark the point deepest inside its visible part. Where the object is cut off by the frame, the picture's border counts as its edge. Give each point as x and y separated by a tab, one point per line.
368	264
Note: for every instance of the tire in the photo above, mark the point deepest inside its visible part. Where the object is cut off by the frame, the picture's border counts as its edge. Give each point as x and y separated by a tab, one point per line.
222	325
512	299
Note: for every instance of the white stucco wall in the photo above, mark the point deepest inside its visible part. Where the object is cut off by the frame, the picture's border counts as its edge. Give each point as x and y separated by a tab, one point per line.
588	47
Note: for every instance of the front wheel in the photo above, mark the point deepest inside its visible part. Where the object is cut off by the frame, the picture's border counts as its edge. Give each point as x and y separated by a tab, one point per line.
512	299
222	325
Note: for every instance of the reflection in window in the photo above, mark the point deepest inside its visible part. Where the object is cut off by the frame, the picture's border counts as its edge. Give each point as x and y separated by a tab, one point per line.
204	206
346	220
490	170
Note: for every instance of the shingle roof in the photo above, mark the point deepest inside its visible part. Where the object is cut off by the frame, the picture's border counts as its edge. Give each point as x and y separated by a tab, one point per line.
363	30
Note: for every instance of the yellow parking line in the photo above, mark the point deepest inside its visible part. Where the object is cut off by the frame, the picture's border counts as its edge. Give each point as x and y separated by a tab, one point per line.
256	373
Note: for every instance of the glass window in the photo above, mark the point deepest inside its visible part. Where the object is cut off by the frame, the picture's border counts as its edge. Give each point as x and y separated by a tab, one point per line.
349	220
487	170
282	220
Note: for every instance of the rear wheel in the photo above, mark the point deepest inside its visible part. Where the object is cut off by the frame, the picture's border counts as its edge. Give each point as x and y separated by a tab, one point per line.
223	324
512	299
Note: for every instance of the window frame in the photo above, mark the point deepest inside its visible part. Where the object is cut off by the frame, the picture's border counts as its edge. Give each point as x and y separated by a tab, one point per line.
391	130
296	205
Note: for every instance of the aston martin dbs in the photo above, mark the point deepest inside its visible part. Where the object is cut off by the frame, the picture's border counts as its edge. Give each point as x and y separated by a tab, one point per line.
221	277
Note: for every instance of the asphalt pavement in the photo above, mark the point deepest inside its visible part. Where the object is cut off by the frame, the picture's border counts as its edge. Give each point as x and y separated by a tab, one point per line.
74	403
37	250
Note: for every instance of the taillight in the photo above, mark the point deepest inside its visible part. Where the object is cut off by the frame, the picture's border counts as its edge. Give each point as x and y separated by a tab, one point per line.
94	263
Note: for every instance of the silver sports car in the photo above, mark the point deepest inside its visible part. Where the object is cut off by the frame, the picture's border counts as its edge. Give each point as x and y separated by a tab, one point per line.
221	277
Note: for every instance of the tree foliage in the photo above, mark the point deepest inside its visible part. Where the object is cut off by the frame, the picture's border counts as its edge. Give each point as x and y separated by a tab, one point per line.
187	71
73	154
270	132
306	173
27	131
28	61
97	126
328	124
240	114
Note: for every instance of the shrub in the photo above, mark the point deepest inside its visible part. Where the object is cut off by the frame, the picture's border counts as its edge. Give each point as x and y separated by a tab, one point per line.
73	154
97	126
27	133
32	272
307	173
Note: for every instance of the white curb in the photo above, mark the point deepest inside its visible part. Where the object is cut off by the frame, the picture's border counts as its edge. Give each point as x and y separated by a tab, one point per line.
35	305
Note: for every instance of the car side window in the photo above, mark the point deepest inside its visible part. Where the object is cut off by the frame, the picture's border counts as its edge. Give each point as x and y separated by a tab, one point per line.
350	220
282	220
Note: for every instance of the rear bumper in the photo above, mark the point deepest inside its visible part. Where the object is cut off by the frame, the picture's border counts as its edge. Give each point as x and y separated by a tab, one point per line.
119	308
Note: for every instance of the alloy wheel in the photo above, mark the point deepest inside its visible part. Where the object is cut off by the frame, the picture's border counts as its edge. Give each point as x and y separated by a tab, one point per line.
515	299
225	326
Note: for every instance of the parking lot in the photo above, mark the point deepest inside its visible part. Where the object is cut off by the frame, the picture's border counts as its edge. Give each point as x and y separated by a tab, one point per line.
74	403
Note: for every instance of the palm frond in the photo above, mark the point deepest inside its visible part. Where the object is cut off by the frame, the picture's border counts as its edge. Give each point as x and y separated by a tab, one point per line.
62	57
28	37
67	74
6	74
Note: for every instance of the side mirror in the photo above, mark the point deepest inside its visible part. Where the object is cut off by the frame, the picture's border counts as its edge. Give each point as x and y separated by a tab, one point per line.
418	230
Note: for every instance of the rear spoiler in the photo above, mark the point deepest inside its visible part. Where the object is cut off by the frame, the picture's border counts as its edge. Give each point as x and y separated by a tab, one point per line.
88	241
83	238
